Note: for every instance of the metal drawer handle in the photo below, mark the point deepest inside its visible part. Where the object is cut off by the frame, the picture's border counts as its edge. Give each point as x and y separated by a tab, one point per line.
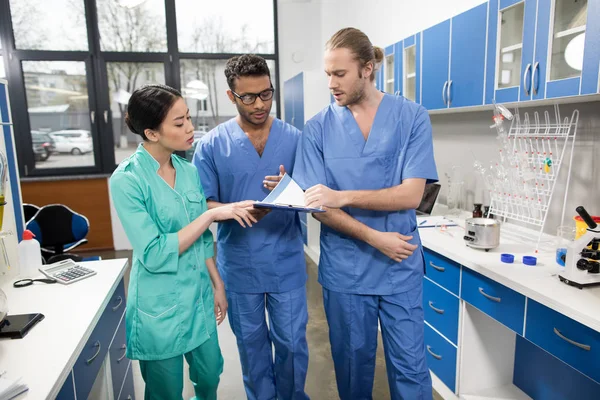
129	397
91	360
581	346
487	296
436	356
123	347
115	308
437	310
441	269
527	69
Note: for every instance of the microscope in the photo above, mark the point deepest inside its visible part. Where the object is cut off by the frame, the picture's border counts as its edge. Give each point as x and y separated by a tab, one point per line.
582	266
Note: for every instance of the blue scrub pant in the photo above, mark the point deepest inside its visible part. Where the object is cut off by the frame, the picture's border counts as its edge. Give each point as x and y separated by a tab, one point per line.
353	329
264	380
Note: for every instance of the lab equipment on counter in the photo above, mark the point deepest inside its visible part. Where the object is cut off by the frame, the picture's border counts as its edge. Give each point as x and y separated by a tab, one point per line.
477	212
529	260
67	271
507	258
565	236
30	256
582	267
454	196
482	233
28	282
18	326
532	154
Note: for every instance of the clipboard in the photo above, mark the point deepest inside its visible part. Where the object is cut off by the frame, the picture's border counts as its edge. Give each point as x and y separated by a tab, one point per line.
287	196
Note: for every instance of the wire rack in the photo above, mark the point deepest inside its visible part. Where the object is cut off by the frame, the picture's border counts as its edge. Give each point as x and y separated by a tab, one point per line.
531	156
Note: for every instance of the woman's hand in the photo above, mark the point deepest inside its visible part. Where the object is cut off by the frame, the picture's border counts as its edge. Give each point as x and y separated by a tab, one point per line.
241	212
220	305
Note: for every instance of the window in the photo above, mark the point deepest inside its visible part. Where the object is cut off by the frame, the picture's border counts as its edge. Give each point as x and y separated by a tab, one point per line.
59	114
204	87
127	27
123	79
78	77
49	25
220	29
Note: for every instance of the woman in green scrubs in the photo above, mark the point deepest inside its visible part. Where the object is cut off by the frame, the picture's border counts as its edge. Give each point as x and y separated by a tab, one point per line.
172	308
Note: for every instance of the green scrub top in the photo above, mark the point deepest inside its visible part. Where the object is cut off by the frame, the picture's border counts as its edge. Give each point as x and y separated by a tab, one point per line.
170	304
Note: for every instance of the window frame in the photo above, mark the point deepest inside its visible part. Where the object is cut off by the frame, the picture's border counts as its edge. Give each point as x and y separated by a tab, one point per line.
97	82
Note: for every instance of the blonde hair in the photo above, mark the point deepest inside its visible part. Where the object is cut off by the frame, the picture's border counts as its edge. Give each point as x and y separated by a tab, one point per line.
360	45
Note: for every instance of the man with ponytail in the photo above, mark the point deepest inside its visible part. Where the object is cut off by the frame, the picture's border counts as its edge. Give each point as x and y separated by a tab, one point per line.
366	158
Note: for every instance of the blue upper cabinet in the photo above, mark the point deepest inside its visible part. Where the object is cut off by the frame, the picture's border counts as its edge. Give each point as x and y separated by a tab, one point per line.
436	66
454	61
411	68
542	49
398	63
511	46
574	50
467	61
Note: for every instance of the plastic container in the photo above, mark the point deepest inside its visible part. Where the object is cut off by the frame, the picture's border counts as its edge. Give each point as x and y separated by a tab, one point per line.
30	256
565	236
582	226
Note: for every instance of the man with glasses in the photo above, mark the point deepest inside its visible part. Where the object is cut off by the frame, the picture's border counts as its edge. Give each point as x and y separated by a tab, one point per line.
263	267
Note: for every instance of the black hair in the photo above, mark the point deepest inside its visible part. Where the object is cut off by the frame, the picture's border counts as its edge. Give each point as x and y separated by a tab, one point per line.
245	65
148	107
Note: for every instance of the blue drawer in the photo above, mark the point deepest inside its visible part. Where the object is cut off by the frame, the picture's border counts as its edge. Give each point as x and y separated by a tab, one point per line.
441	357
118	361
442	271
67	392
496	300
441	310
127	390
570	341
94	351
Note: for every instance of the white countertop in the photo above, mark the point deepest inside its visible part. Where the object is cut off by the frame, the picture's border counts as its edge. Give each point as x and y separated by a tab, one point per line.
540	282
46	355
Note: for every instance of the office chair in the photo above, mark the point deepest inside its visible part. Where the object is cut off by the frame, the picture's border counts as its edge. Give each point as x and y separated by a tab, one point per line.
29	211
59	230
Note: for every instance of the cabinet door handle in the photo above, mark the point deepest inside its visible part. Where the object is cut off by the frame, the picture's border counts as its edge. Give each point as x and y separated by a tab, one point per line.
106	117
525	74
437	310
93	116
123	347
574	343
441	269
436	356
115	308
444	93
487	296
91	360
536	67
449	95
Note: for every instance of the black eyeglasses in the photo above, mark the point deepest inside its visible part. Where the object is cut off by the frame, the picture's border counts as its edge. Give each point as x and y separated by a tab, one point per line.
29	282
250	98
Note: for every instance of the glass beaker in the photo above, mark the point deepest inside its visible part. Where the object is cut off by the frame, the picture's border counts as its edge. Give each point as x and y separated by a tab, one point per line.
565	236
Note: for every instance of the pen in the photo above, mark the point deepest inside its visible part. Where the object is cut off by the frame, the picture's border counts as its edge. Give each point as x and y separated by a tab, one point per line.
422	222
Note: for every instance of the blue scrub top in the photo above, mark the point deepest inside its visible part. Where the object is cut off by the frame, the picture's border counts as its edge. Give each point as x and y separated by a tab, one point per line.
333	152
269	257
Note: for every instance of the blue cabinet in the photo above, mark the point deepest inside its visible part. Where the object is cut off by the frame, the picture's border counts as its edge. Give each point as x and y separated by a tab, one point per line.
454	61
436	65
542	49
441	357
467	61
441	310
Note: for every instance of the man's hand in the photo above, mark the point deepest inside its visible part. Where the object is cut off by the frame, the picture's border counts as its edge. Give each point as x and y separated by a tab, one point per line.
393	245
259	213
321	196
271	181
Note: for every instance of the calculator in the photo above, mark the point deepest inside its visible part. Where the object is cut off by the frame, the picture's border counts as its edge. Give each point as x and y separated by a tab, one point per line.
66	271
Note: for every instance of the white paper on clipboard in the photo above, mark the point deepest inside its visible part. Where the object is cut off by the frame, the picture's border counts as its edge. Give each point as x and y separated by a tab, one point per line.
287	195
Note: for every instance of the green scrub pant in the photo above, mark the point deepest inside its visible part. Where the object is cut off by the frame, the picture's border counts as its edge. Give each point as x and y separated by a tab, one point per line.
164	378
